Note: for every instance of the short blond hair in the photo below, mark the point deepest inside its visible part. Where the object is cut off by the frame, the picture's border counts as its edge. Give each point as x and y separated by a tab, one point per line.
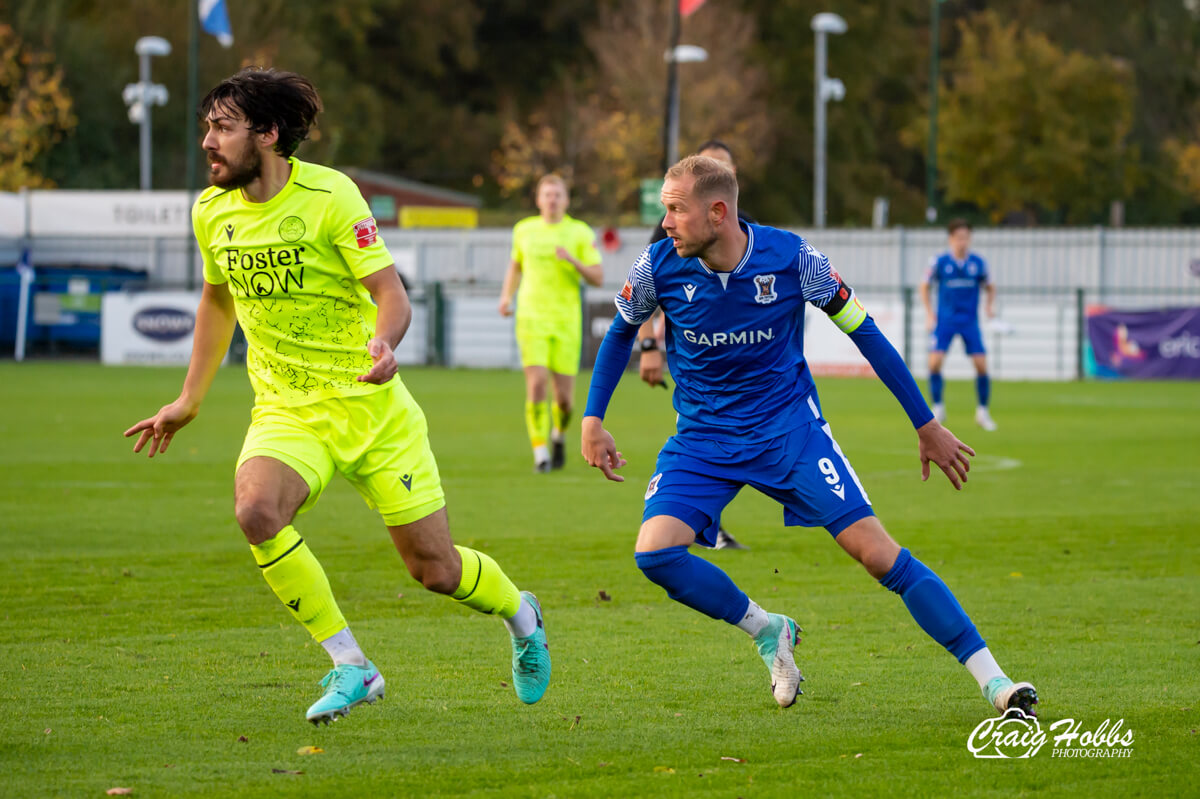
713	178
552	178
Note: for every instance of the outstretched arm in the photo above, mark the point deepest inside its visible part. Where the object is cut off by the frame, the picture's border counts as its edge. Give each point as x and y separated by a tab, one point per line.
215	321
599	448
937	444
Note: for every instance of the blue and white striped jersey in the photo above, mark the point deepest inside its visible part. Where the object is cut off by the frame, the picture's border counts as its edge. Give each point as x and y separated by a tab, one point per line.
735	340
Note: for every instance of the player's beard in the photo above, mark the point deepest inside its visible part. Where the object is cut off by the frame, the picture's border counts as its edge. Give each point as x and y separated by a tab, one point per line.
699	248
242	172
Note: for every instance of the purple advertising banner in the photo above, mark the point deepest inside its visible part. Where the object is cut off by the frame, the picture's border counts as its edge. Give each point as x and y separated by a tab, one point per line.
1153	345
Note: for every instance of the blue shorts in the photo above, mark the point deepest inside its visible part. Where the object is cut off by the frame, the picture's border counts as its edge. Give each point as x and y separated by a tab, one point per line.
944	333
804	470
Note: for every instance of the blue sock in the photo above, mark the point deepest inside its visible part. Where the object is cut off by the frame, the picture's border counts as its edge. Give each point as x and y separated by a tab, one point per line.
935	386
983	388
933	606
695	582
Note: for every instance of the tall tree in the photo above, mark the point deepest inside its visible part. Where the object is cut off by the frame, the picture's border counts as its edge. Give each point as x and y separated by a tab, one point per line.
1025	126
605	129
35	111
883	62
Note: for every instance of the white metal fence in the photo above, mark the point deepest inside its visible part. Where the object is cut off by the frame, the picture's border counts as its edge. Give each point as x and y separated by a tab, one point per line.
1043	276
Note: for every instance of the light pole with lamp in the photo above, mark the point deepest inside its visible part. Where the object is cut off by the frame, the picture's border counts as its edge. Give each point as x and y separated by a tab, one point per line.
825	89
142	95
677	54
935	41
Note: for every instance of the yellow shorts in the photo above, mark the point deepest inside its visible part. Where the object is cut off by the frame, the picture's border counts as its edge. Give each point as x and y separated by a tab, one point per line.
378	441
555	345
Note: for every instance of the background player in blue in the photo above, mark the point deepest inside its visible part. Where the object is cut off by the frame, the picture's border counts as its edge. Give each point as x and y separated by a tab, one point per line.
959	274
733	295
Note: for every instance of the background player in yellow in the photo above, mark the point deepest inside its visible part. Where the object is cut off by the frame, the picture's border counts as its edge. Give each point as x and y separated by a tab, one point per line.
292	253
551	254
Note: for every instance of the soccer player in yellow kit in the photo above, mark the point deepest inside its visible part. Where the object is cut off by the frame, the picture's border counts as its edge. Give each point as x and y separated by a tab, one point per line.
291	253
551	253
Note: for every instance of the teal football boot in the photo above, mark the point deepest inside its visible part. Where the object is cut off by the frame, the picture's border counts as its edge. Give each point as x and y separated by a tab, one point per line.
346	686
531	658
776	644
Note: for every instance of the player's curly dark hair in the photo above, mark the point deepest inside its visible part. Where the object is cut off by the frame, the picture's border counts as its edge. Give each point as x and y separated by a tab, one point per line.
957	224
269	99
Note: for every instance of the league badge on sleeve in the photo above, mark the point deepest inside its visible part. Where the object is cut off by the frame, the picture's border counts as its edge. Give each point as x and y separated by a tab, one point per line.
365	232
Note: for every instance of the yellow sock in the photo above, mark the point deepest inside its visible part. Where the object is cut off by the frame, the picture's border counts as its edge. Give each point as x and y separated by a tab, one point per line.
559	418
536	423
300	583
485	587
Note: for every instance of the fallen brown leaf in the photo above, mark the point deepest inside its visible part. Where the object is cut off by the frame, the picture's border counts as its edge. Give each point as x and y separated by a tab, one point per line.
242	739
119	791
604	597
284	771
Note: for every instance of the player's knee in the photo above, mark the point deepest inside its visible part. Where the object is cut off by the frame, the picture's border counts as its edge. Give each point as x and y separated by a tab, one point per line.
437	575
260	519
879	558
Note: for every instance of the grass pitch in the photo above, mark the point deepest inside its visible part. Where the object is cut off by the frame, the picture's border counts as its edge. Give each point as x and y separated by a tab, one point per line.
142	649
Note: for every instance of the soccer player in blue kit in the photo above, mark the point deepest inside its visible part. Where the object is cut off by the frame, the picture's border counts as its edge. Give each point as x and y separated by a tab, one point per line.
959	274
733	294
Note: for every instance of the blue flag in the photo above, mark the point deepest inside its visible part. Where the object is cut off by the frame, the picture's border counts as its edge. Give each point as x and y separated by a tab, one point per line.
214	18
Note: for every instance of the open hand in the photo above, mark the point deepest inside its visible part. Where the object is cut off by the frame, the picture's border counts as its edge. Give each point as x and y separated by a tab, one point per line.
160	428
940	446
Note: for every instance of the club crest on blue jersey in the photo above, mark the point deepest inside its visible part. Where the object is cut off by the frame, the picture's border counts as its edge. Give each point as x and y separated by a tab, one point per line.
765	289
652	488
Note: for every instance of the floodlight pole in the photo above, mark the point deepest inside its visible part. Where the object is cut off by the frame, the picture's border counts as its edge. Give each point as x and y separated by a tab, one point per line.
671	123
935	40
141	96
190	128
824	89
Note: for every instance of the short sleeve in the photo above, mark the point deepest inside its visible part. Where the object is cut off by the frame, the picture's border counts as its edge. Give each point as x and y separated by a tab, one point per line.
637	300
212	272
353	231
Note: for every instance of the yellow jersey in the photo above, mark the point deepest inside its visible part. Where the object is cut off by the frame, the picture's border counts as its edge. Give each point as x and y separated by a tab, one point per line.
293	265
549	288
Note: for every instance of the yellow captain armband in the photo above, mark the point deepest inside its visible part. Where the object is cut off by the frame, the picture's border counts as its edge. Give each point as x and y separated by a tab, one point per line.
845	310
